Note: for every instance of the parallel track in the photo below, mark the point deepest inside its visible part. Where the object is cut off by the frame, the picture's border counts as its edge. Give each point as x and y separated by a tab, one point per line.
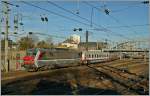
129	80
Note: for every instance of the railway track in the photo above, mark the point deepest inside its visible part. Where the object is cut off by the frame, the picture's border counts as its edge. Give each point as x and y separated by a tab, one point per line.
129	80
123	63
129	66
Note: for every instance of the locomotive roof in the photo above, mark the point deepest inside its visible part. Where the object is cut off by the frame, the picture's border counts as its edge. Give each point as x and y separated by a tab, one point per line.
50	49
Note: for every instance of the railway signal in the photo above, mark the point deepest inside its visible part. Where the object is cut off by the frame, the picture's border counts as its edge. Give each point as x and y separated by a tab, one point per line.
30	33
145	2
79	29
44	19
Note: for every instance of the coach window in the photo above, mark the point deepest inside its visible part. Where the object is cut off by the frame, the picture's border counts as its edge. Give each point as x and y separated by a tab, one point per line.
92	56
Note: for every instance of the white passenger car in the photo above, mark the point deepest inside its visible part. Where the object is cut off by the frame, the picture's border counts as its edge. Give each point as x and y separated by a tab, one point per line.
94	56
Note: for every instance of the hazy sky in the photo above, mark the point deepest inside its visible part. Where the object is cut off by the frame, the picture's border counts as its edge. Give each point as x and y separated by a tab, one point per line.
124	13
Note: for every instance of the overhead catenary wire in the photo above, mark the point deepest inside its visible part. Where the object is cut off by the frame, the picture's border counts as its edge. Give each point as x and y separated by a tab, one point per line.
129	6
73	13
139	25
55	13
112	17
103	29
116	20
76	15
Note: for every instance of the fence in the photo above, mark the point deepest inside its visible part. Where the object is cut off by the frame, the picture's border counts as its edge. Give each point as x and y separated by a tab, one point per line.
14	59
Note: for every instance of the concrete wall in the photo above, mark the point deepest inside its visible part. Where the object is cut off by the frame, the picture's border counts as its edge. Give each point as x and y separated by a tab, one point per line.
12	56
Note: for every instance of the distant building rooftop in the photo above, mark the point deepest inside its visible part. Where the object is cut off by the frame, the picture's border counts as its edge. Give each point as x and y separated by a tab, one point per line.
92	45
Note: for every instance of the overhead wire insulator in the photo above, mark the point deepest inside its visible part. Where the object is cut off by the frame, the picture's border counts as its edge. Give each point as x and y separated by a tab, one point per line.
77	11
21	23
15	21
15	33
2	19
3	33
16	27
107	11
17	5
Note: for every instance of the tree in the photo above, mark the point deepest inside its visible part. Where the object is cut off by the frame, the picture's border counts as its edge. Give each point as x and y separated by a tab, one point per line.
43	44
25	43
